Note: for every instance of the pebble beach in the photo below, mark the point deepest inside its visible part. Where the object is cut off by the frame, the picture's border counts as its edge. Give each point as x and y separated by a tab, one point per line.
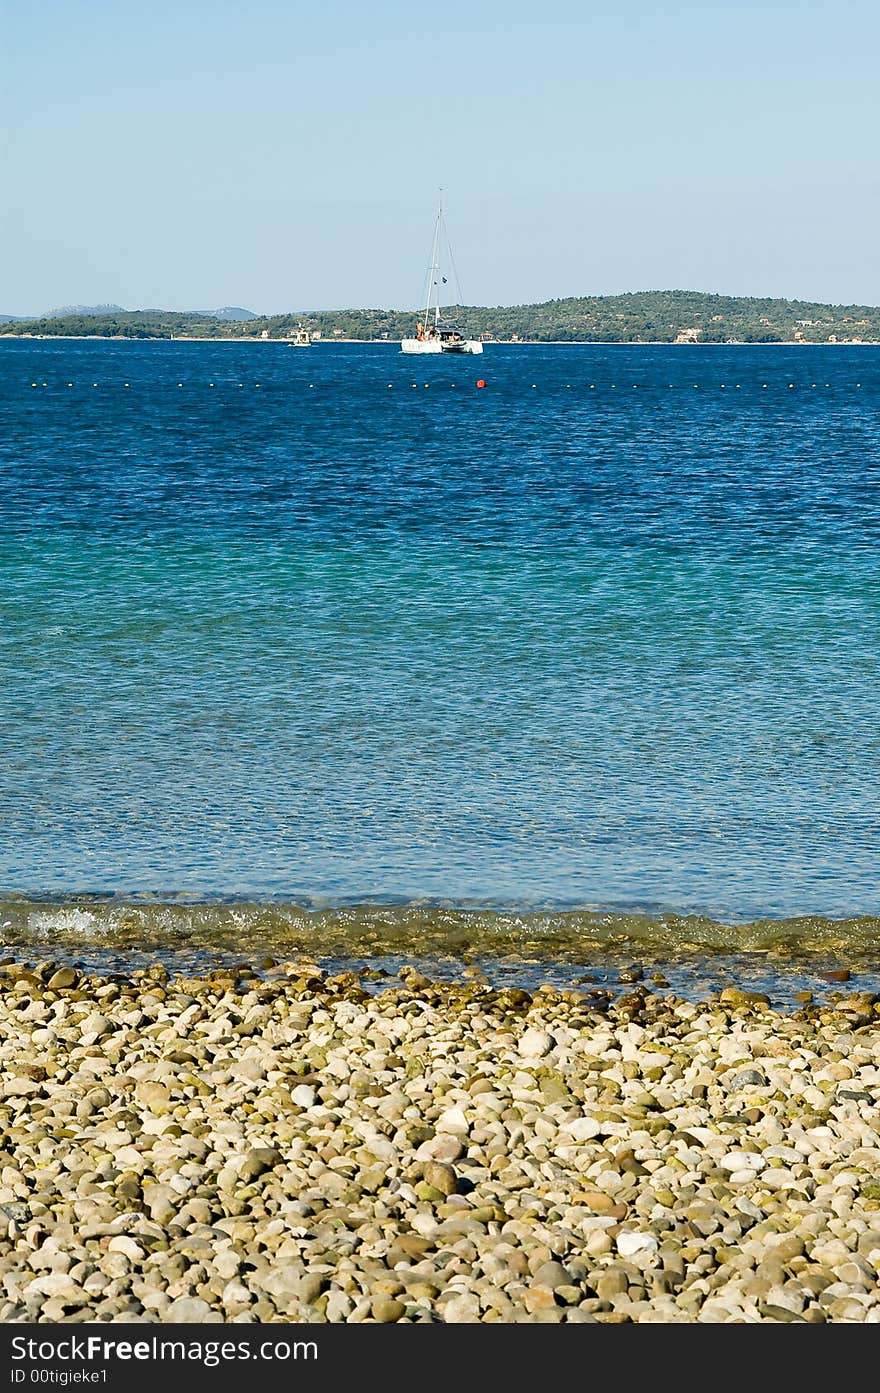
285	1145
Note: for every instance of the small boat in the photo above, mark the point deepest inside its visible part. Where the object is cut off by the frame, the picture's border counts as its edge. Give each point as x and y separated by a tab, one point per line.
301	339
431	335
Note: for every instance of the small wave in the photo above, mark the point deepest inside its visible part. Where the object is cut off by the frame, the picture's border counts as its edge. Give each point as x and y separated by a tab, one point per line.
366	930
66	922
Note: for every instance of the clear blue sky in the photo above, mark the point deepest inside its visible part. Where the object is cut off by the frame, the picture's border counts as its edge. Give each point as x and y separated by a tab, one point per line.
285	155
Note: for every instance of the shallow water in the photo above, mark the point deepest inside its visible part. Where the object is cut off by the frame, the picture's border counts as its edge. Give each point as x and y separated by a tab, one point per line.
605	643
585	952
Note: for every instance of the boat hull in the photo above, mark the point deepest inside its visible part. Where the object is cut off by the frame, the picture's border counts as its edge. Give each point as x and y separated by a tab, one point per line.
435	346
420	346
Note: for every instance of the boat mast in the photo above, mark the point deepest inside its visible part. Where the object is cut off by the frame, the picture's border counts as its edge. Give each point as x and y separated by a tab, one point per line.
434	273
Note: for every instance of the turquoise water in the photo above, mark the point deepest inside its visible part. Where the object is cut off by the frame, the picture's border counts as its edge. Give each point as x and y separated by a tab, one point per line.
602	636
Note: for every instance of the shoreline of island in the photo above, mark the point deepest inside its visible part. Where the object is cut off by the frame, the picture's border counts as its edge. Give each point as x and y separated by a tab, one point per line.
681	317
394	343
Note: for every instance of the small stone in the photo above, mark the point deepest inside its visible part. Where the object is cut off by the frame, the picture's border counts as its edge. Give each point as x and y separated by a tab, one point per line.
235	1296
191	1310
122	1243
440	1177
311	1287
735	996
569	1294
635	973
539	1299
283	1284
58	1286
599	1242
785	1246
63	978
868	1244
445	1146
534	1044
554	1089
96	1025
258	1161
596	1200
747	1078
415	980
411	1245
629	1243
387	1309
154	1096
161	1202
453	1120
17	1210
771	1312
20	1087
461	1310
552	1275
583	1129
424	1191
611	1283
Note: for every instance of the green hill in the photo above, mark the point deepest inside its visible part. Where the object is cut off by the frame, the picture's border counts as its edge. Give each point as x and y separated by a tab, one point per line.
658	316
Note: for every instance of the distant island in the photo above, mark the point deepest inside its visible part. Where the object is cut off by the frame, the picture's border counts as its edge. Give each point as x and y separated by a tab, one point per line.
650	316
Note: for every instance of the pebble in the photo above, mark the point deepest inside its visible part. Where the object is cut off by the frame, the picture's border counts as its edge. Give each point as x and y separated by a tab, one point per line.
441	1177
534	1044
387	1309
62	979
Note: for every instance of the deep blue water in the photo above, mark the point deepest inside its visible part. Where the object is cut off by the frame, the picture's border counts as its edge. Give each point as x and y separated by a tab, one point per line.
605	633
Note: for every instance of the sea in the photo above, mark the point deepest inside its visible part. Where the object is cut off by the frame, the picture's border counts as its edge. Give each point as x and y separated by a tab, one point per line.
557	661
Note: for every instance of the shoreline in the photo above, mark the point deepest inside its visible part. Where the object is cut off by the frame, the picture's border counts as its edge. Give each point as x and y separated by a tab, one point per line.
690	953
229	1148
392	343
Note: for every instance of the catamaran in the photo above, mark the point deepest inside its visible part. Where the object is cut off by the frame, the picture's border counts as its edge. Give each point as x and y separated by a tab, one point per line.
431	335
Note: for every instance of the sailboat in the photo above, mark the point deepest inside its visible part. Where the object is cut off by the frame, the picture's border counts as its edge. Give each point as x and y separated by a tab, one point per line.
302	338
431	335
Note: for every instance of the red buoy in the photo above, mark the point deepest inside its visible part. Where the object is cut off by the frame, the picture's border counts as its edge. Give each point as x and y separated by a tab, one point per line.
481	381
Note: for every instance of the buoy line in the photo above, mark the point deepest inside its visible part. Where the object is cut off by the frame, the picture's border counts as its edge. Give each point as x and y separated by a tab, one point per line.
481	383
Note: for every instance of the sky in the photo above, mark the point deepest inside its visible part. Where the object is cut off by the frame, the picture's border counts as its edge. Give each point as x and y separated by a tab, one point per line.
282	155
